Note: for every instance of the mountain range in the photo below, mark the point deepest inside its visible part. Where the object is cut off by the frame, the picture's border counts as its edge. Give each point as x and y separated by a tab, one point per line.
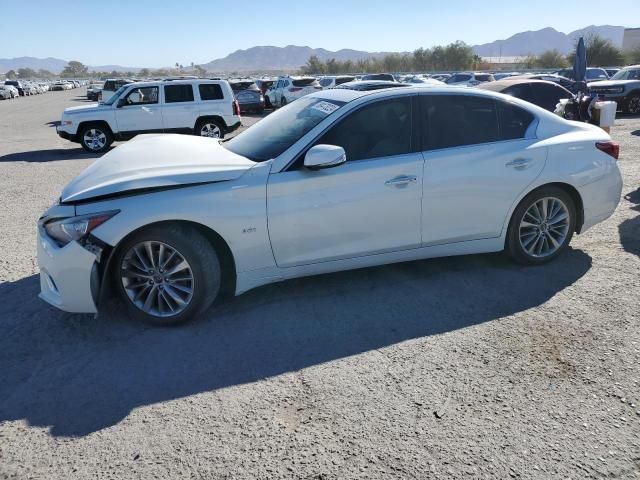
292	57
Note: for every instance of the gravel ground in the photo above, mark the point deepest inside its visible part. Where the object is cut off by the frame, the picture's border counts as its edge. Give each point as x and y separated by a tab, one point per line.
462	367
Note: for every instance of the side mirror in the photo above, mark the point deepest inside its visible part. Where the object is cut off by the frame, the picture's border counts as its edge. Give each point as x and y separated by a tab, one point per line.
324	156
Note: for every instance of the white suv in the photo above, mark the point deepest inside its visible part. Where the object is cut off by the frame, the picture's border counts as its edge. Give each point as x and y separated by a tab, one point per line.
200	107
287	89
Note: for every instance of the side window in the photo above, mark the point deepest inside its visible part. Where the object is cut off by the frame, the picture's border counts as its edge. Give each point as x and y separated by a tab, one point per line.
210	91
382	129
178	93
142	96
521	90
514	121
458	120
548	96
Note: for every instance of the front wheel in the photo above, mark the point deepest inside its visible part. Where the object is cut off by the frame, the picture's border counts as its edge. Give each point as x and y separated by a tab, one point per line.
167	274
95	138
633	105
541	226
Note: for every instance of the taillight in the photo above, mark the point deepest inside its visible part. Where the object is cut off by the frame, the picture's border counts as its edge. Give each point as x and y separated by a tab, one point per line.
236	108
295	89
610	148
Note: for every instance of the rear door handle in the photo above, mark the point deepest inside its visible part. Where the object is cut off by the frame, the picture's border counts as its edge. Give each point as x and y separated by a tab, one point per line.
401	181
519	163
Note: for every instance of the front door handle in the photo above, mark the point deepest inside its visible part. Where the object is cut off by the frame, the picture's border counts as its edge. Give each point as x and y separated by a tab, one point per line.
401	181
519	163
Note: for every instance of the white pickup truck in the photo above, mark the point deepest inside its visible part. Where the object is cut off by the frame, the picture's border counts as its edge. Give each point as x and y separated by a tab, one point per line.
201	107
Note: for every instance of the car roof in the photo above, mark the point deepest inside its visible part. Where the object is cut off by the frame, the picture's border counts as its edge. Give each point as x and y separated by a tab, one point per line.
500	85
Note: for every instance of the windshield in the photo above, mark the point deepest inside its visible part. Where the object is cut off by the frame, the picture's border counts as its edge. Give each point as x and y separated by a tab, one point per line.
270	137
627	75
114	97
235	86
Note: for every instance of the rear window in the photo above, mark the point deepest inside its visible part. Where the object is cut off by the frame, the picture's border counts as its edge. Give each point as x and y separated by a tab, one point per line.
325	82
341	80
236	86
178	93
379	76
459	77
305	82
485	77
210	91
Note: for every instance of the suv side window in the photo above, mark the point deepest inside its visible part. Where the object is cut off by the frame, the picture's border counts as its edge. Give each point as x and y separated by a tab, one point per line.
210	91
381	129
458	120
178	93
142	96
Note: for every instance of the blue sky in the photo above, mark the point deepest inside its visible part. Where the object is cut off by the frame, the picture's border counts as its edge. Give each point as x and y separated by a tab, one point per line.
160	33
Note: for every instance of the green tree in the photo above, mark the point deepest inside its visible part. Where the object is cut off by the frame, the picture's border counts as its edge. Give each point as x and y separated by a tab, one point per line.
633	56
551	59
26	73
313	66
600	52
200	70
12	75
75	69
42	73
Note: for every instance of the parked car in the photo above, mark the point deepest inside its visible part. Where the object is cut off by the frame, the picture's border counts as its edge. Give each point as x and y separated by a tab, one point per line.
441	76
200	107
469	79
418	80
539	92
612	71
369	85
5	93
287	89
110	87
12	90
264	84
336	180
18	86
379	76
593	74
549	77
93	91
331	81
623	87
248	95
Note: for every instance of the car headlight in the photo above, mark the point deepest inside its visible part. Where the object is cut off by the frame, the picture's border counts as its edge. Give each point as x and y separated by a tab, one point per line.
64	230
617	90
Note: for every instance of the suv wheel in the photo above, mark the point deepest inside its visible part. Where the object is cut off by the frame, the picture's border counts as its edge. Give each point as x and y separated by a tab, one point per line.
209	128
541	226
633	105
95	138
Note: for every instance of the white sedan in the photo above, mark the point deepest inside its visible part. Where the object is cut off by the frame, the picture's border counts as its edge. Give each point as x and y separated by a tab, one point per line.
336	180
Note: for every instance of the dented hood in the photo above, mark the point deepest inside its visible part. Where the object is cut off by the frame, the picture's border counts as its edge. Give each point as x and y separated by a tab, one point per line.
153	161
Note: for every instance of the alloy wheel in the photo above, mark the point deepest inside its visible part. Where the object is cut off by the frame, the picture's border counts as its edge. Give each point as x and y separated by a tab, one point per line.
544	227
95	139
634	105
157	279
210	130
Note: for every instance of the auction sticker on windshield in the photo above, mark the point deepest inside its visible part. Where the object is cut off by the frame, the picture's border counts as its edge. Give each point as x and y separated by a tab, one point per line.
325	107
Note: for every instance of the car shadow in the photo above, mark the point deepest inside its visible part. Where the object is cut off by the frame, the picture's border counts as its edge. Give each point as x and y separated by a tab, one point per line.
77	374
636	133
51	155
53	124
629	230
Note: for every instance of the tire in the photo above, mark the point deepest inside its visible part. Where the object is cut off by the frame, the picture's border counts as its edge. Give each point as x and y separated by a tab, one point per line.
535	237
160	297
283	101
95	138
209	128
633	104
267	102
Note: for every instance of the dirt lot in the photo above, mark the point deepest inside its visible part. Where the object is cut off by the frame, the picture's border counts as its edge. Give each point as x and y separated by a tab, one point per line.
463	367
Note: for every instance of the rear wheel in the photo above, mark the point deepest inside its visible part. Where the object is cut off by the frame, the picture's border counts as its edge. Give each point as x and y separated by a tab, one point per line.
95	138
167	274
541	226
209	128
